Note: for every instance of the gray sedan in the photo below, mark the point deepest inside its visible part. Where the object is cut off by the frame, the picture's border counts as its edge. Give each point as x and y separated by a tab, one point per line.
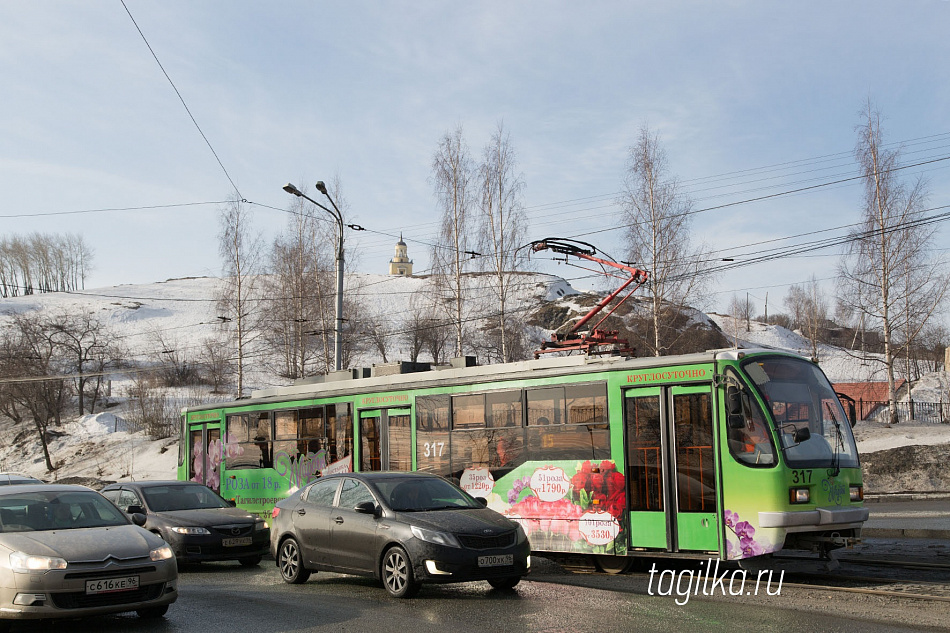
403	528
66	552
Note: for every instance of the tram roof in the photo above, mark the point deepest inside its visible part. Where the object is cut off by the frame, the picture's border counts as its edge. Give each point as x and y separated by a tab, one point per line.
369	380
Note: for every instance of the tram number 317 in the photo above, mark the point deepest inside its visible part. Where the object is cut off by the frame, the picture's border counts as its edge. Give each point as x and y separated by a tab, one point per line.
801	476
434	449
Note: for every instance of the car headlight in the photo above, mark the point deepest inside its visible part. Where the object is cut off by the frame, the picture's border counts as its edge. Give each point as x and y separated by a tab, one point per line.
431	536
260	525
161	553
189	530
25	562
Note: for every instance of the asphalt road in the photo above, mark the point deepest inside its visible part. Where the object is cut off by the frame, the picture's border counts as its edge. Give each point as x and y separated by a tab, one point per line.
225	598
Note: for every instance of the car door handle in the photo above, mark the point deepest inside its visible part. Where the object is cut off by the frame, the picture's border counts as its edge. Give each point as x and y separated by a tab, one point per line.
301	512
338	520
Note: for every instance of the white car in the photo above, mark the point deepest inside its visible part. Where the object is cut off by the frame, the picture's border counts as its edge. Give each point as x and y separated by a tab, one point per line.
67	552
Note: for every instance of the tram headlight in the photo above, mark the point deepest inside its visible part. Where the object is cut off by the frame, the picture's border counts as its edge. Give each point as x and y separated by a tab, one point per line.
856	492
799	495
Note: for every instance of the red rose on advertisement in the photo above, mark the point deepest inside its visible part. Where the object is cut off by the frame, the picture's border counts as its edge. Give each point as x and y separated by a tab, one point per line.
617	503
615	483
597	481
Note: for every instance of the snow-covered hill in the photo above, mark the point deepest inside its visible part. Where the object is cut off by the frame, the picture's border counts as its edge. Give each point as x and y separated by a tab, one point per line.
100	447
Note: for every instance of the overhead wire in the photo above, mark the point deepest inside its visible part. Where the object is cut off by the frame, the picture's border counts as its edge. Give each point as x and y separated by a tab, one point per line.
182	99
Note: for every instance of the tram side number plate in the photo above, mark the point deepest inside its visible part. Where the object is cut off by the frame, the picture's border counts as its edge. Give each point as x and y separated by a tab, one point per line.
109	585
236	542
496	561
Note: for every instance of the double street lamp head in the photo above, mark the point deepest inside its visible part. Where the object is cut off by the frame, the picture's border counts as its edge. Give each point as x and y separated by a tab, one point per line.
322	188
289	188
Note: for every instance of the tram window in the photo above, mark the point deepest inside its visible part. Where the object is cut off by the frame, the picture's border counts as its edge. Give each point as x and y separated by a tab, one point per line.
545	406
499	450
263	449
586	404
432	413
237	428
644	445
400	442
751	443
239	452
504	408
285	435
311	435
182	434
470	449
468	412
581	441
247	441
370	447
695	462
339	429
432	435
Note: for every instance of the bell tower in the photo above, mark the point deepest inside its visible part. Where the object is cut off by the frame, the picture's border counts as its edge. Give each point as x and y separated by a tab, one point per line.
400	264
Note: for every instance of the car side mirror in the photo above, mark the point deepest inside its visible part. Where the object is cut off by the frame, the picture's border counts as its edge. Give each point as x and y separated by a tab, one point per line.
231	502
366	507
483	501
134	509
138	518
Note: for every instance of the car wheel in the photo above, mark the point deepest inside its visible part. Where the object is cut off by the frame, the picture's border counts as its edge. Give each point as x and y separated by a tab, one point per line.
152	613
397	574
504	583
290	562
250	561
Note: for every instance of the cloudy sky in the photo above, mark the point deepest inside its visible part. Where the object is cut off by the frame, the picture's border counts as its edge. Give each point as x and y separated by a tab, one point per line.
750	99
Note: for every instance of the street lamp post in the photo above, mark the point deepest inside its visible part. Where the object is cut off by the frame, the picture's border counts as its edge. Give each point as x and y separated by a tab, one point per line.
338	217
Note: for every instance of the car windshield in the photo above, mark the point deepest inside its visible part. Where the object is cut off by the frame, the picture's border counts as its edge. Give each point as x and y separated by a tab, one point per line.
811	425
182	497
419	494
60	510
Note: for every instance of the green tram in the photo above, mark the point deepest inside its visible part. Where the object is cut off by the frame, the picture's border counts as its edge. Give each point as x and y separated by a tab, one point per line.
730	453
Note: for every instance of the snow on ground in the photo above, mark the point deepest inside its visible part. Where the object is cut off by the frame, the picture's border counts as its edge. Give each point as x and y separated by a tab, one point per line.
94	446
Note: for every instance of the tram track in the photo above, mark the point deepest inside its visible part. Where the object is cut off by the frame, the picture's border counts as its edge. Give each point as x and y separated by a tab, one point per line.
888	587
888	578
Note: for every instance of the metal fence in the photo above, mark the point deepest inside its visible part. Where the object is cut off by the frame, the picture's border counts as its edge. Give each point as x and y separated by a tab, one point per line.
918	412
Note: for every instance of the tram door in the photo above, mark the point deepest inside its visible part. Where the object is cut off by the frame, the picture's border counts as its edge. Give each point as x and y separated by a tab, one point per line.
385	440
201	463
671	469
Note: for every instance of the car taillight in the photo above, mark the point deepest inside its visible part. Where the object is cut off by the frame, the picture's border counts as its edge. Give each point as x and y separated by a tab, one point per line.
275	512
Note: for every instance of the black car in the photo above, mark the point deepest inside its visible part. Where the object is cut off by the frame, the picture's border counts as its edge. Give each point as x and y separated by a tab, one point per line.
403	528
12	479
197	522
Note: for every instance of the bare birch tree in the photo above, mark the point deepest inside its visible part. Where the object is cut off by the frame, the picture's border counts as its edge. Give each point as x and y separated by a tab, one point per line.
453	173
889	275
240	248
656	213
809	311
300	292
502	226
